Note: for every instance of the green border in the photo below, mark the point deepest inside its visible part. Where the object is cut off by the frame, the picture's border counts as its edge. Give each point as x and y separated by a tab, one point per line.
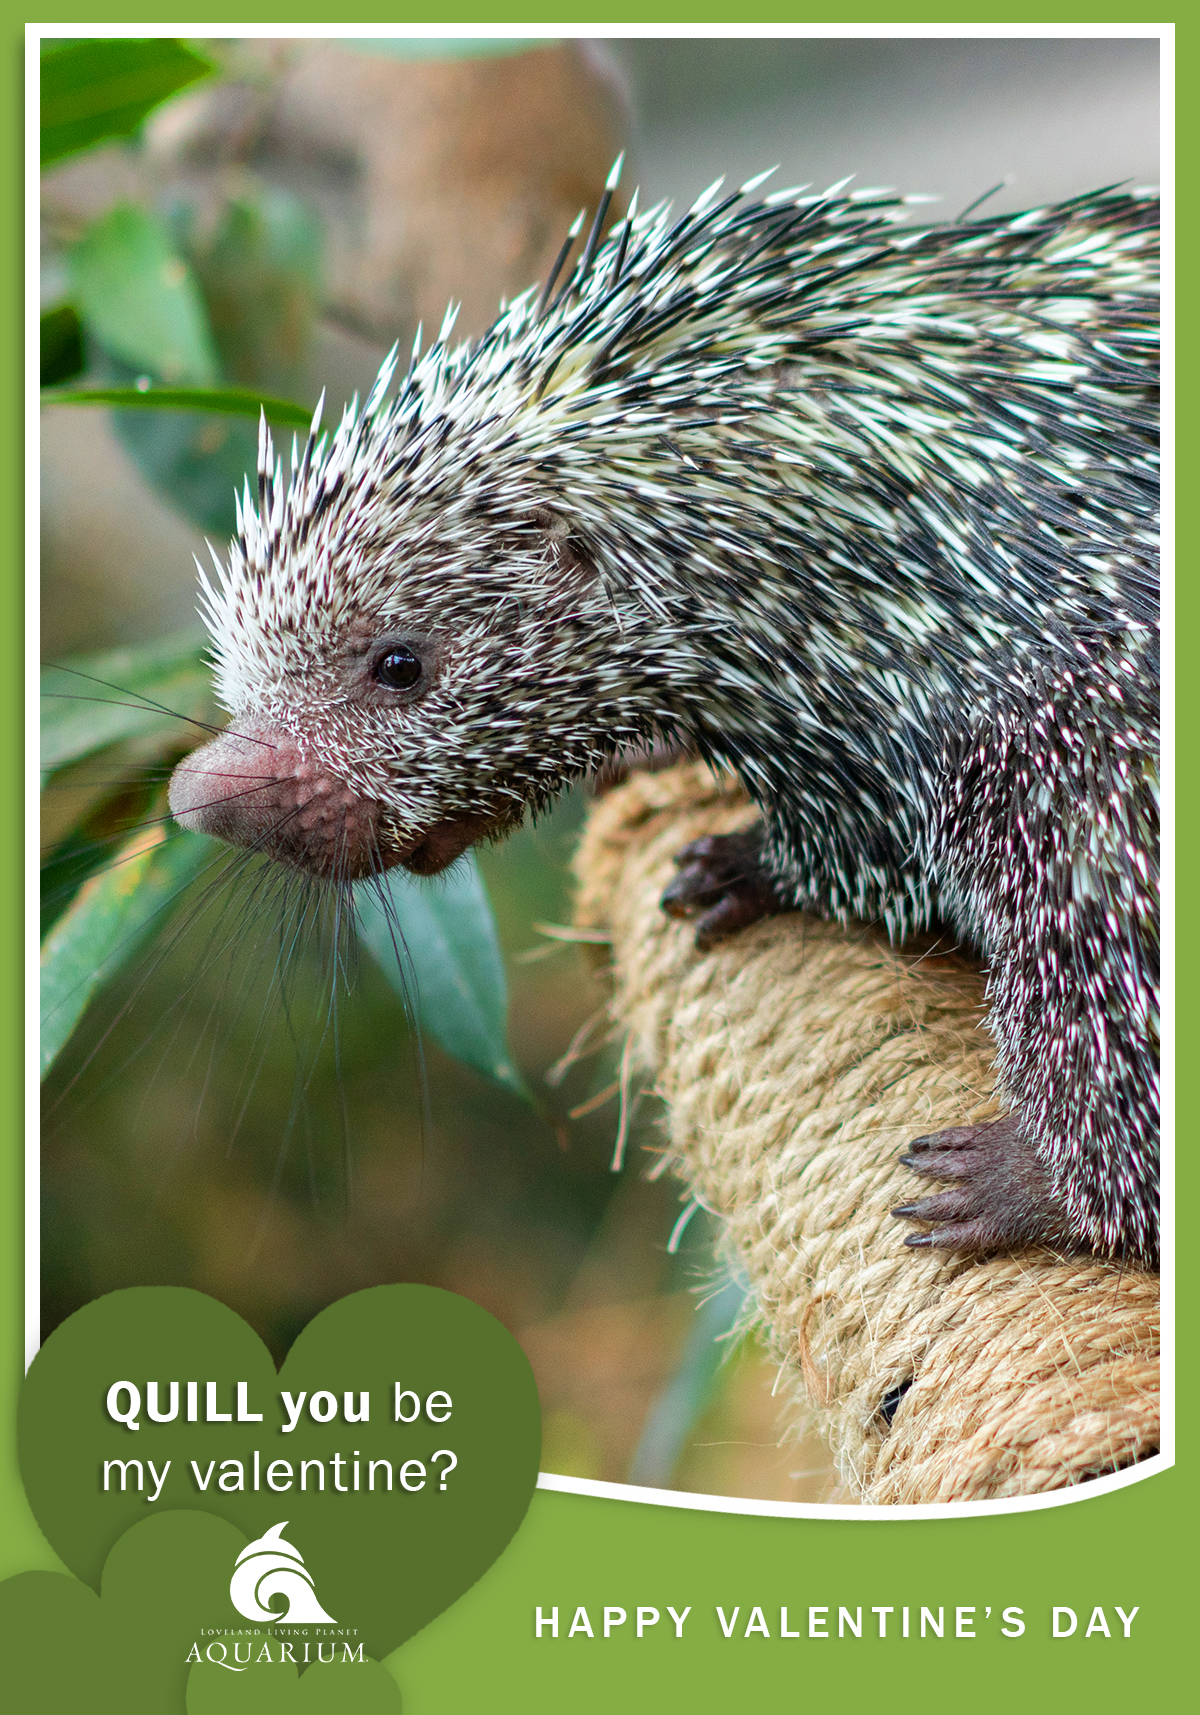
1134	1546
21	1543
680	16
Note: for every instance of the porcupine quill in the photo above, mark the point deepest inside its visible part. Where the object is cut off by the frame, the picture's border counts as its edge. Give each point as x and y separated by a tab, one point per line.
865	511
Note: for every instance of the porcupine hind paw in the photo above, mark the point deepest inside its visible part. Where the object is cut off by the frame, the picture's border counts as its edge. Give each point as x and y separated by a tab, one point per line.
1002	1198
722	883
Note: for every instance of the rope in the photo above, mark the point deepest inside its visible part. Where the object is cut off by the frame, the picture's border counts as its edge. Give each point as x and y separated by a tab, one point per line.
796	1062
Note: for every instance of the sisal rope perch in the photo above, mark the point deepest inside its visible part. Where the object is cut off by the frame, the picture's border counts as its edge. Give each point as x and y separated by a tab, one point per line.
796	1062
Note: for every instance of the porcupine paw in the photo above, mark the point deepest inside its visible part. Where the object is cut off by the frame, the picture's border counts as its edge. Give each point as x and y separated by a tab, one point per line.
722	883
1002	1198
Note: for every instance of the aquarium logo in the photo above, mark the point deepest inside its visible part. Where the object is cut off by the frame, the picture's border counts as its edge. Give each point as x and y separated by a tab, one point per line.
305	1633
271	1567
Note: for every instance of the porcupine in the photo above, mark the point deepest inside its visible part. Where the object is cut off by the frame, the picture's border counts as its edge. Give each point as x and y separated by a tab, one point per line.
864	511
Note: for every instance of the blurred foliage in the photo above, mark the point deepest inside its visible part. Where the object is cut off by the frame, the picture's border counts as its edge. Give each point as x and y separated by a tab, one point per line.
140	301
682	1402
221	401
256	269
109	921
259	268
61	345
225	307
149	690
97	89
446	936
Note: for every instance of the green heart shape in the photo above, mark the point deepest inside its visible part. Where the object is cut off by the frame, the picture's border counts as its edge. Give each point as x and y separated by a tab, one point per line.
380	1560
132	1648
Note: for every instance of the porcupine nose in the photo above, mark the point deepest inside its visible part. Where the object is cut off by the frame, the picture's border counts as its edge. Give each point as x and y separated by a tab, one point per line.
256	788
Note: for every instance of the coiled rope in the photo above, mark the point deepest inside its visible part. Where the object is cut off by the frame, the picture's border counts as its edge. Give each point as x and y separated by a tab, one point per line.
796	1061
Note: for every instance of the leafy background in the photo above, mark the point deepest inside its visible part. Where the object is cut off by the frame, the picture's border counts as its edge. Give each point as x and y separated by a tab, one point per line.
235	1098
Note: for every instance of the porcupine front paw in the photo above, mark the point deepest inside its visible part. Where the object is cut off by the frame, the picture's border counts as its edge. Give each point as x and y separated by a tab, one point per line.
722	883
1003	1197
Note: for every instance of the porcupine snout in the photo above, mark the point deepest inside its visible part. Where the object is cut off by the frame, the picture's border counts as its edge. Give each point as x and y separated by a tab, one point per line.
258	789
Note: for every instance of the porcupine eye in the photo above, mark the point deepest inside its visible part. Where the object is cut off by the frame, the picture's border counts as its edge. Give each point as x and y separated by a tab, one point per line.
397	668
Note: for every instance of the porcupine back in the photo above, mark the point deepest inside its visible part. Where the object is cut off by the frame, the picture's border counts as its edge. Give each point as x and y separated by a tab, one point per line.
872	513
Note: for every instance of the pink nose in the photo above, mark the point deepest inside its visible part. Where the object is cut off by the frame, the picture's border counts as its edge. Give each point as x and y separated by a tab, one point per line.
257	789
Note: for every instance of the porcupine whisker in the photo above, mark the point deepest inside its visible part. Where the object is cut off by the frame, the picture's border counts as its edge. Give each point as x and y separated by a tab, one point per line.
240	924
340	973
147	776
142	703
305	919
318	895
220	858
326	1022
145	706
109	845
308	924
342	903
137	778
146	822
299	1095
409	997
297	912
162	948
213	803
80	852
270	881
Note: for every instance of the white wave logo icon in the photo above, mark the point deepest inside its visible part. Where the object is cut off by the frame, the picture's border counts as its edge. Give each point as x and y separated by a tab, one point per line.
270	1567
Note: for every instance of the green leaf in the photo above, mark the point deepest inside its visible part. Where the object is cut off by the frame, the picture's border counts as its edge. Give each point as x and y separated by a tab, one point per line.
254	277
682	1403
259	266
61	345
188	442
217	401
197	463
109	921
140	300
95	700
104	88
453	969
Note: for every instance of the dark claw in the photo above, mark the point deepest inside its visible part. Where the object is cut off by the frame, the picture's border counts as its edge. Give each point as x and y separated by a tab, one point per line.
953	1164
722	883
960	1236
959	1202
732	911
1001	1199
955	1137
